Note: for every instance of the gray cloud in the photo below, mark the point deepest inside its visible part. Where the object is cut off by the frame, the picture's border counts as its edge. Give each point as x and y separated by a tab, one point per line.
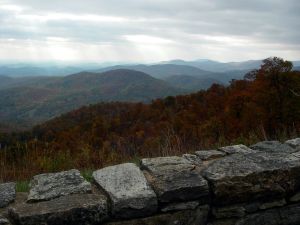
149	30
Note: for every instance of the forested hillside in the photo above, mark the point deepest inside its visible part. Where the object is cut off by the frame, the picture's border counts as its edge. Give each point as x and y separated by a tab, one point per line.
264	105
28	101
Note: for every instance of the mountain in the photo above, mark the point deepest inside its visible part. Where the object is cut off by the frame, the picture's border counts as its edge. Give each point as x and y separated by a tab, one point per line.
5	80
29	70
105	133
34	81
190	82
34	103
162	71
215	66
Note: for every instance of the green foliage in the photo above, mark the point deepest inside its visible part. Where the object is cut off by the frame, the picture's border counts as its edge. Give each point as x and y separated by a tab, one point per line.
22	186
87	174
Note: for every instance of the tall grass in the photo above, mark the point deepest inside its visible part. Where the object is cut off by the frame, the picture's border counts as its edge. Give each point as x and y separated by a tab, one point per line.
21	162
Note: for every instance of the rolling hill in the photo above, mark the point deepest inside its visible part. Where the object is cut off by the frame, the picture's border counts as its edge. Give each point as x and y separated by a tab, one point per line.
5	80
32	103
190	82
164	71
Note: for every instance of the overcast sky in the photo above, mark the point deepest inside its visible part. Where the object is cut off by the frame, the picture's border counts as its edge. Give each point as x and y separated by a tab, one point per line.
149	30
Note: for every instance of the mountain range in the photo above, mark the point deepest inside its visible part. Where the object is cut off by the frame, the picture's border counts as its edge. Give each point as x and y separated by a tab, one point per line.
28	100
41	99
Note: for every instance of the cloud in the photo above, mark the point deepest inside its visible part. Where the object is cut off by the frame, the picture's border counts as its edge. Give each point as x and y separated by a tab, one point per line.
147	30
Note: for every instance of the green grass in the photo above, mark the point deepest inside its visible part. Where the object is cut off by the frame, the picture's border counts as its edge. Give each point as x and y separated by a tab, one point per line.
87	174
136	160
22	186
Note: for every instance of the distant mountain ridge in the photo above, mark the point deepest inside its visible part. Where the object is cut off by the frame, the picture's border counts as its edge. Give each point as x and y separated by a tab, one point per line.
34	99
164	71
215	66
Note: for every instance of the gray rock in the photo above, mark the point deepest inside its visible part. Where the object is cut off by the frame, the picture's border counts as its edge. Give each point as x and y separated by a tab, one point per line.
128	189
247	177
296	154
235	211
52	185
272	146
231	221
185	217
83	209
272	204
209	154
289	215
175	179
180	206
240	210
194	159
294	143
295	197
236	149
4	221
7	194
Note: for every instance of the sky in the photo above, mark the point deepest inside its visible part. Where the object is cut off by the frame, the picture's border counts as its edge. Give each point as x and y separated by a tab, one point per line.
148	30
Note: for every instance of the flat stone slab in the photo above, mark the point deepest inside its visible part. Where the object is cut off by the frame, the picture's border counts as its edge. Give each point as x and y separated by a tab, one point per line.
209	154
246	177
52	185
197	216
128	189
272	146
294	143
7	194
83	209
175	179
233	149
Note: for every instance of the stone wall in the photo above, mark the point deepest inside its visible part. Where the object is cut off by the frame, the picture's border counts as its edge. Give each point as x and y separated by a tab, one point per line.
233	185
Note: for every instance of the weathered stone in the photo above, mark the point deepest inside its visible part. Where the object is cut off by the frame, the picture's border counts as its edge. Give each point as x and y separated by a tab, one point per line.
4	221
175	179
272	204
244	177
128	189
83	209
223	222
7	194
295	197
185	217
209	154
229	212
294	143
236	149
180	206
194	159
240	210
296	154
272	146
288	215
52	185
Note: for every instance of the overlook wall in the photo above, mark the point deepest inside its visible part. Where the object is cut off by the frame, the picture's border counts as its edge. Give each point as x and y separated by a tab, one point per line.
234	185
